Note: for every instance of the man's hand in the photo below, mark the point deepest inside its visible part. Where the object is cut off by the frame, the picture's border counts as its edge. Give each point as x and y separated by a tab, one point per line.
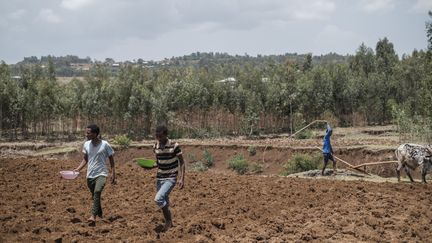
113	179
180	184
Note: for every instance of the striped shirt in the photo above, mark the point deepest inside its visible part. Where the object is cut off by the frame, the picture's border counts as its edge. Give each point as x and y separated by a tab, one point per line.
167	159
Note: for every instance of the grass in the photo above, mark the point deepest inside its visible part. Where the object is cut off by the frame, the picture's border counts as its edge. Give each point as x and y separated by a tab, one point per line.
252	150
302	162
208	158
122	140
200	166
238	164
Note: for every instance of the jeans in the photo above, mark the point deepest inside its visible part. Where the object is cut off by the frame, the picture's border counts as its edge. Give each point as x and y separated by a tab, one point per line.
96	185
164	187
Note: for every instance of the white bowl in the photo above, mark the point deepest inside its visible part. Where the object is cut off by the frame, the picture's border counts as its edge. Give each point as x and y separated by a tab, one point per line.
69	174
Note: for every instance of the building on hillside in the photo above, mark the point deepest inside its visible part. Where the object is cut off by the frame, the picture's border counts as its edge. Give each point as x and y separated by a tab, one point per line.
227	80
81	66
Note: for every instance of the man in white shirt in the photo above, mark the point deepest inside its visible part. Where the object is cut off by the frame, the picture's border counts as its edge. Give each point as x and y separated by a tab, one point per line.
96	152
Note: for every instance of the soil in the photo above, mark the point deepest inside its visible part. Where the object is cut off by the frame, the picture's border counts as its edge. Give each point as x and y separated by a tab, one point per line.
36	204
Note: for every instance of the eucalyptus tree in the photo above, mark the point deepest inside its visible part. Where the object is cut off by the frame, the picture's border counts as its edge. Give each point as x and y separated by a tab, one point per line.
120	88
8	92
71	103
307	64
429	31
386	63
96	102
48	97
410	78
363	62
282	92
316	92
139	106
341	92
4	98
253	109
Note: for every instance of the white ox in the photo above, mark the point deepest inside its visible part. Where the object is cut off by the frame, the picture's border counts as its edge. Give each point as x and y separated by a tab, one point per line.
410	156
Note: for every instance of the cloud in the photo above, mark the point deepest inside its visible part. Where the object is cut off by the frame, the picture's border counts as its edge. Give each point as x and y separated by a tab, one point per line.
315	10
332	38
423	5
245	15
75	4
159	28
376	5
49	16
18	14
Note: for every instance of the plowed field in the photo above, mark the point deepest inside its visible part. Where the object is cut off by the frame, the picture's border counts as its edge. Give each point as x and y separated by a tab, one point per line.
215	206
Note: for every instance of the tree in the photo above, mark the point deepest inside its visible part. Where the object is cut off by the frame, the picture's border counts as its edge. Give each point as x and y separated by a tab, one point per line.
386	61
51	70
363	63
252	112
429	31
307	65
316	92
386	56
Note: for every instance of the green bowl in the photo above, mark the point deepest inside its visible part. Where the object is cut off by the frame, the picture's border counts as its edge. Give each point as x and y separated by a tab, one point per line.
145	163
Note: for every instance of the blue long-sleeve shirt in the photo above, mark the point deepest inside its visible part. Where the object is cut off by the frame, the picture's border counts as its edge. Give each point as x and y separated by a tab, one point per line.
327	148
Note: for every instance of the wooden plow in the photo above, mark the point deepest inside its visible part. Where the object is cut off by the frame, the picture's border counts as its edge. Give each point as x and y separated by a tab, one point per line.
310	124
350	166
357	167
376	163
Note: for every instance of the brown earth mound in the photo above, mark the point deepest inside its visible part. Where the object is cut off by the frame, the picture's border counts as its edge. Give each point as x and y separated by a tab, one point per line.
37	205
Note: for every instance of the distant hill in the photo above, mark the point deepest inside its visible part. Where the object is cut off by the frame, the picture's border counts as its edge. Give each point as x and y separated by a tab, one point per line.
74	66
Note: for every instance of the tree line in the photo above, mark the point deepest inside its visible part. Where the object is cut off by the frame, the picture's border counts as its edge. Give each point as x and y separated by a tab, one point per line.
209	99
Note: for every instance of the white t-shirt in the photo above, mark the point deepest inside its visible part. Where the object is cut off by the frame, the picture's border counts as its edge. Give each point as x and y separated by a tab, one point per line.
97	155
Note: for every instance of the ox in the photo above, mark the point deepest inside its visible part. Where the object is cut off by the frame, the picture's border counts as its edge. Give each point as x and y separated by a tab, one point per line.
410	156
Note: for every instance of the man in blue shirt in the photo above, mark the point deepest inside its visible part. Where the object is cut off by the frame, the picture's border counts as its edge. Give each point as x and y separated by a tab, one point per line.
328	150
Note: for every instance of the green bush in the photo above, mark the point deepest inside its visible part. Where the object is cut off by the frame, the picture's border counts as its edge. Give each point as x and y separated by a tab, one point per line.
305	134
208	158
177	133
122	140
412	127
252	150
191	157
257	168
302	162
238	164
198	166
198	133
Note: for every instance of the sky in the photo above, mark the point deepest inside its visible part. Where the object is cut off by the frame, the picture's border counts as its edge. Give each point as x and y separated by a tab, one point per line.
158	29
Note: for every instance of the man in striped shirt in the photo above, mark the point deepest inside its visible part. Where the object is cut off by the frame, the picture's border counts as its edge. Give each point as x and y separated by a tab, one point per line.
171	170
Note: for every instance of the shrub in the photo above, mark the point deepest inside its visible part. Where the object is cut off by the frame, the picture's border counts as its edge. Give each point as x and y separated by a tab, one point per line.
412	128
122	140
252	150
302	162
238	164
305	134
198	133
198	166
257	168
192	157
176	133
208	158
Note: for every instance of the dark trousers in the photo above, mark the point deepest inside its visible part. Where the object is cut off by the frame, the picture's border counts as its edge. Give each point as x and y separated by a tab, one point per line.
96	185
